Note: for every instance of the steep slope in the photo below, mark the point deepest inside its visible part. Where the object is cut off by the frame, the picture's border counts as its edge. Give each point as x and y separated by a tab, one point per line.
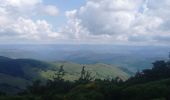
17	67
16	74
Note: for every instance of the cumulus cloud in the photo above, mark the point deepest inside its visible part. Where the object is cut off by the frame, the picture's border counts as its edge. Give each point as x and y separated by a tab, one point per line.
21	7
122	20
97	21
28	29
108	16
16	20
21	3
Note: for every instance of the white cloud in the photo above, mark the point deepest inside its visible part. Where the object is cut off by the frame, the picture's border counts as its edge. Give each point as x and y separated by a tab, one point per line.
28	8
108	16
16	20
121	20
22	3
51	10
28	29
98	21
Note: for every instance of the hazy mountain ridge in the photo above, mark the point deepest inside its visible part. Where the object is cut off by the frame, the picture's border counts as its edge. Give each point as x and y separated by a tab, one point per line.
141	57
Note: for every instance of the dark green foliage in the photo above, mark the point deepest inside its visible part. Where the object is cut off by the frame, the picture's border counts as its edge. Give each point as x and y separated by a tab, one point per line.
14	67
2	93
85	77
36	88
59	74
148	91
17	74
150	84
20	98
160	70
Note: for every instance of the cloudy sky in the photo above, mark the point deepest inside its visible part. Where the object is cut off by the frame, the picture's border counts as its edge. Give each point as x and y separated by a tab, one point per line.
138	22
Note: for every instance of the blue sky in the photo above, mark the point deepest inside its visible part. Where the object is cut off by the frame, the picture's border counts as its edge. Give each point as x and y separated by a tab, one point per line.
128	22
63	5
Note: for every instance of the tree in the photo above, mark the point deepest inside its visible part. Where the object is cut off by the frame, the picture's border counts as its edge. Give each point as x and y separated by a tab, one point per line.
60	74
36	88
85	76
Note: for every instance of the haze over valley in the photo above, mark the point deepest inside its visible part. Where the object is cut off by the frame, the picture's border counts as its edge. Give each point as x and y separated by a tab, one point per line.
141	57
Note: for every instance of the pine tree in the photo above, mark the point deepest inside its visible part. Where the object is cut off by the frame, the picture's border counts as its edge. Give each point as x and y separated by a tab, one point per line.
85	75
60	74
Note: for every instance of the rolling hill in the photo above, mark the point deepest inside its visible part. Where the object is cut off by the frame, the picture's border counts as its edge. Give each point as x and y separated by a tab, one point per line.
16	74
98	70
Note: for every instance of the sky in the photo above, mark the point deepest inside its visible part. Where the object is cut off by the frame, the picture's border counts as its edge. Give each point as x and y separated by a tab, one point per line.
127	22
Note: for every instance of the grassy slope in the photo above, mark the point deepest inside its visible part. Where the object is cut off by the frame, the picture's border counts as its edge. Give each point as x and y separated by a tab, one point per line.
18	73
99	70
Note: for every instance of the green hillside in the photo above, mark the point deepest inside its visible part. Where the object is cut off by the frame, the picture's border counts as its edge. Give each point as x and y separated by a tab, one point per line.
99	70
148	84
16	74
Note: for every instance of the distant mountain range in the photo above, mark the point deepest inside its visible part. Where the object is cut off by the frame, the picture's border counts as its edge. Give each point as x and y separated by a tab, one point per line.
16	74
132	58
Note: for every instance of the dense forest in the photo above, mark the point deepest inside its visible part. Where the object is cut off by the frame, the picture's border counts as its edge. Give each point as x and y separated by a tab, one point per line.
149	84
